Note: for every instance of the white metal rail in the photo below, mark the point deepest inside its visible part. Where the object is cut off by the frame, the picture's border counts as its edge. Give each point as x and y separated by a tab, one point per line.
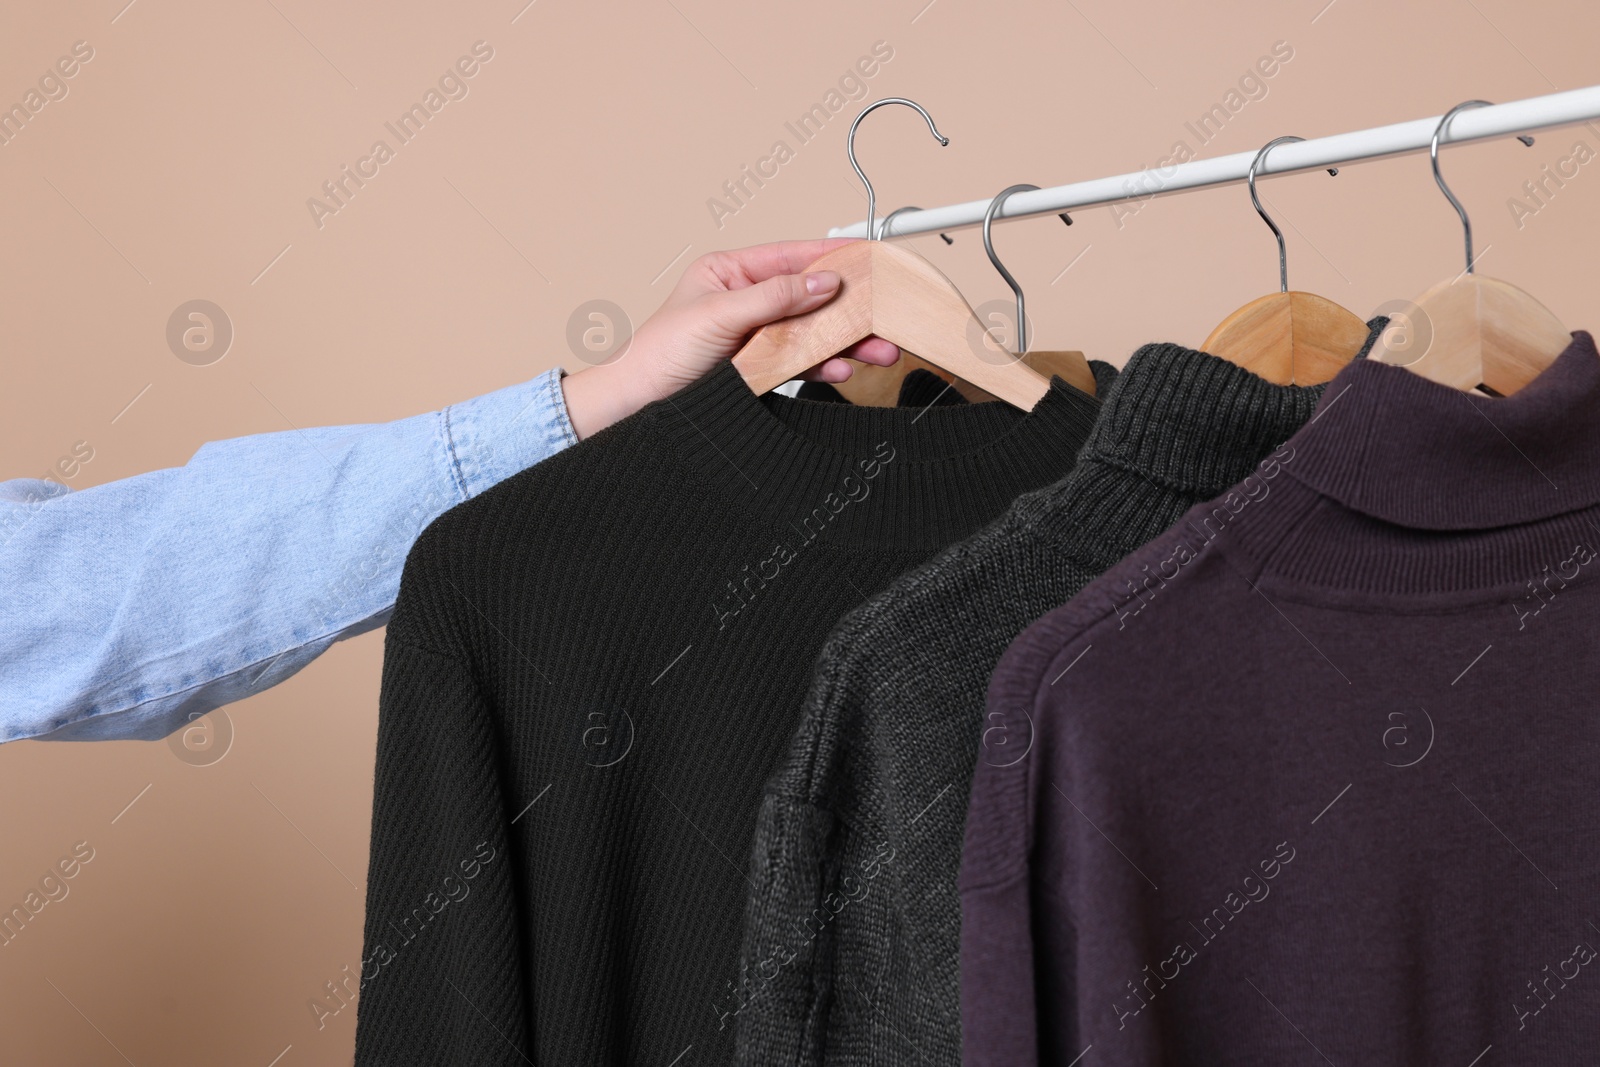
1499	120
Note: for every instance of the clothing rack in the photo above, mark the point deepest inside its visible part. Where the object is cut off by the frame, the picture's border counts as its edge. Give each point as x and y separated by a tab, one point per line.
1499	120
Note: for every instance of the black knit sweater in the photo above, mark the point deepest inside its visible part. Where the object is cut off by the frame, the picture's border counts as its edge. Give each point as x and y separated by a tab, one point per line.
851	946
589	674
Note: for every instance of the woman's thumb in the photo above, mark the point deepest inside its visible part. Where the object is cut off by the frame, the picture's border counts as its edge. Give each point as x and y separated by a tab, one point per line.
743	310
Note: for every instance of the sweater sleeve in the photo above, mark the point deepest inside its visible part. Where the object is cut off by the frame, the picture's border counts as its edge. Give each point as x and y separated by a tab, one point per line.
998	1019
786	928
442	975
783	982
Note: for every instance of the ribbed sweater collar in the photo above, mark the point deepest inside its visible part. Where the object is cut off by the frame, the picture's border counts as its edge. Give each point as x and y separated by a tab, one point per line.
954	466
1178	426
1189	421
1393	445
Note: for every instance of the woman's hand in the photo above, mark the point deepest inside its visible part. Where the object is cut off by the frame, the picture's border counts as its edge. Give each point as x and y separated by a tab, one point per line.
720	300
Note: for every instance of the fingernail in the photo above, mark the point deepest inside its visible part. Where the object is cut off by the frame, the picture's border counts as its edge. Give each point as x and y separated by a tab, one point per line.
821	281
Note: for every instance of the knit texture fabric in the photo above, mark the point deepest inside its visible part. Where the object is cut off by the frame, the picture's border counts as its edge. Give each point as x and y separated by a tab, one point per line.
851	943
1310	778
590	672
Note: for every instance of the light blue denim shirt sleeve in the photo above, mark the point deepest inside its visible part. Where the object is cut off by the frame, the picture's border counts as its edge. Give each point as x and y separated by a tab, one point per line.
130	608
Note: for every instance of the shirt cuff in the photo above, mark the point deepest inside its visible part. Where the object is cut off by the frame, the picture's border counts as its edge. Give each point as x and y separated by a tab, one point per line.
491	437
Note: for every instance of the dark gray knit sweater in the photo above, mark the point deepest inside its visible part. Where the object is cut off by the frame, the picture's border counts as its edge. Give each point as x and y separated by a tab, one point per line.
852	933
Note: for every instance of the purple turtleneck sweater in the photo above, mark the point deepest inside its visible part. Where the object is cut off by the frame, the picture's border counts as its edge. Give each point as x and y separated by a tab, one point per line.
1314	777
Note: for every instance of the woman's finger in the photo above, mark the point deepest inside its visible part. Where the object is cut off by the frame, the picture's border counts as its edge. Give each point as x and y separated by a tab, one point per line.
741	267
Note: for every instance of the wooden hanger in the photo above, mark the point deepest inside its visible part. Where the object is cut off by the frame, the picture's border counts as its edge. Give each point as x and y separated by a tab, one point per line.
1288	338
1480	333
879	387
876	386
895	294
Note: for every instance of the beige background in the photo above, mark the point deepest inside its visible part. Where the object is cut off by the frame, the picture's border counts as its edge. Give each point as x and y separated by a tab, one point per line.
579	166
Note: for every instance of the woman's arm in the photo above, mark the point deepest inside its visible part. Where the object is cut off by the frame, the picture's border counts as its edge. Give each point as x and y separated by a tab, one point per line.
129	608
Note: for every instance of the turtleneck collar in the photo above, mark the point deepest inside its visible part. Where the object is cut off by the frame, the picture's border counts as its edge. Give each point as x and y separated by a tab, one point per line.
1177	426
1192	422
1395	446
952	467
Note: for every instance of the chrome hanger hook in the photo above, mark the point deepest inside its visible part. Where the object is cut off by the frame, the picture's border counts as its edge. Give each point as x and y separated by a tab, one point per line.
1250	178
988	247
1433	156
888	220
883	227
874	231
